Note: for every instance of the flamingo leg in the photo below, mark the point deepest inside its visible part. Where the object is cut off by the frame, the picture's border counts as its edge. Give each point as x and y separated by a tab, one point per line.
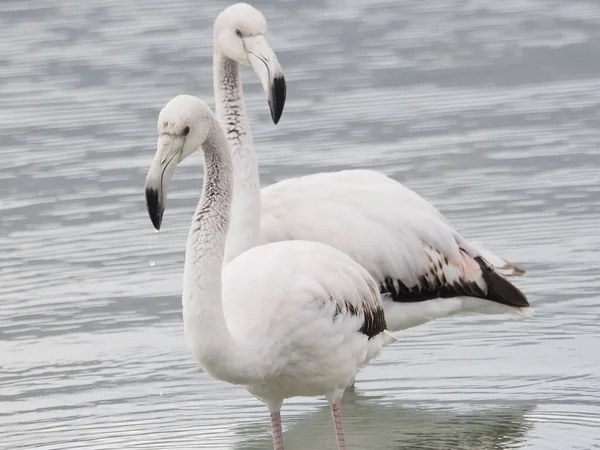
336	409
277	432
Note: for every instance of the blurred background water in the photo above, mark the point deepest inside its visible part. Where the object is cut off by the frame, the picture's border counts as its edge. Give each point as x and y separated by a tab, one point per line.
491	110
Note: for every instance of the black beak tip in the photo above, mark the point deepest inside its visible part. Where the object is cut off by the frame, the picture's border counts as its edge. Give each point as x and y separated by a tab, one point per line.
277	102
153	207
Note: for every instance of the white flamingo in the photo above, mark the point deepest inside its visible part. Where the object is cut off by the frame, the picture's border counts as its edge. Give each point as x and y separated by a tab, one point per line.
424	266
285	319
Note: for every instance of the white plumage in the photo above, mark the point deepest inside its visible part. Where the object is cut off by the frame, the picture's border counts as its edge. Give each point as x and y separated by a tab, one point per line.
302	303
285	319
317	203
425	268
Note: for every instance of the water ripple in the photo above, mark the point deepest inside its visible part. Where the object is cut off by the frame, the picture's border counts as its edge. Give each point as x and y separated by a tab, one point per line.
489	109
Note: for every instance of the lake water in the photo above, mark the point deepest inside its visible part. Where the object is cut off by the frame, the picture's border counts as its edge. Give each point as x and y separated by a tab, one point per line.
489	109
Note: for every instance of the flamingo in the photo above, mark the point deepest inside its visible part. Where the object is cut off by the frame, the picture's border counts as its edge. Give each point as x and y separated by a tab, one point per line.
285	319
425	269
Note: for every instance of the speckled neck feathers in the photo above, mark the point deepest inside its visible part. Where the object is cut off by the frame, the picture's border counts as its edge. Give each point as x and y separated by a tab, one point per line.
208	232
205	327
244	230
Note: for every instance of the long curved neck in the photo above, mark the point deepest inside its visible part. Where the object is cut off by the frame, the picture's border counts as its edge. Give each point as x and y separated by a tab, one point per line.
244	229
206	331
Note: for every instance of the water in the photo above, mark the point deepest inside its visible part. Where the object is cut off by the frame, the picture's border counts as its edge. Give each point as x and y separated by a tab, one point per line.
489	109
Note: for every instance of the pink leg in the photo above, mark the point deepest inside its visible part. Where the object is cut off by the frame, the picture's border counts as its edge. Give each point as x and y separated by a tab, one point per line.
277	432
336	408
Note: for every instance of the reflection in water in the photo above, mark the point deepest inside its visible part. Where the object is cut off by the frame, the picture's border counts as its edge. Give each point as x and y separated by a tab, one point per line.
488	109
372	425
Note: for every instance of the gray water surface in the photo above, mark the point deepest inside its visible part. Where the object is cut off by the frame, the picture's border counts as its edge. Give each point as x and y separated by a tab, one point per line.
491	110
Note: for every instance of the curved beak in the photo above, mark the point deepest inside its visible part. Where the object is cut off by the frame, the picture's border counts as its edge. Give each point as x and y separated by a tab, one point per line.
159	176
269	71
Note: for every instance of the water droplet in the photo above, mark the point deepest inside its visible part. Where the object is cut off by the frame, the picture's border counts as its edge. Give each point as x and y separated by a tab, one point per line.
160	393
155	231
149	246
151	263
